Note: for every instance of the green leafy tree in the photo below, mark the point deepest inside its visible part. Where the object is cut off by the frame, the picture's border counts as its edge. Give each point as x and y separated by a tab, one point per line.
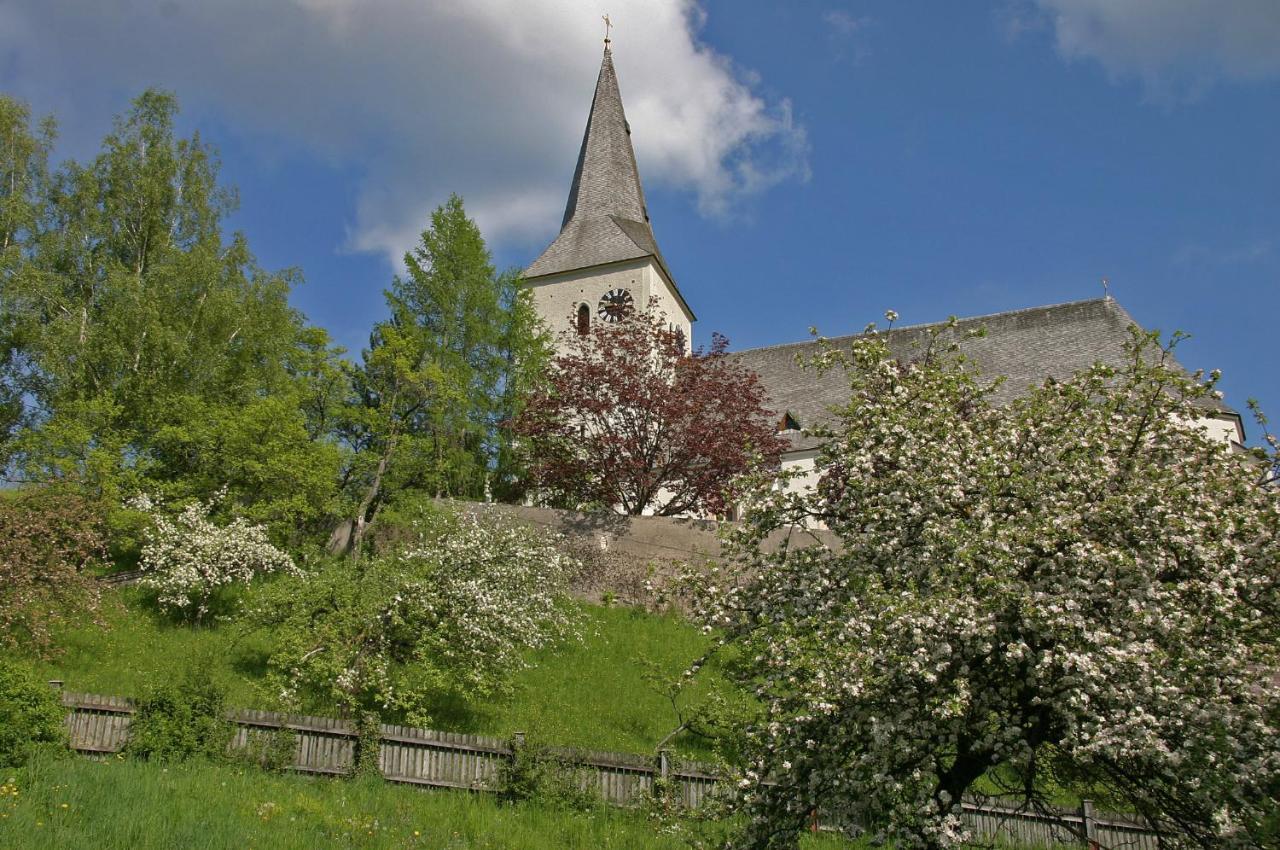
156	355
395	384
24	178
454	361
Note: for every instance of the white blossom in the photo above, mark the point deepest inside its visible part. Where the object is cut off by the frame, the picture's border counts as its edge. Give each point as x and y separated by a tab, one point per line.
187	558
1077	587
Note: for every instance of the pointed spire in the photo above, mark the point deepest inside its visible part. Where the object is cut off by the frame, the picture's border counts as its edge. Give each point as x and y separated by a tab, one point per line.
605	220
606	181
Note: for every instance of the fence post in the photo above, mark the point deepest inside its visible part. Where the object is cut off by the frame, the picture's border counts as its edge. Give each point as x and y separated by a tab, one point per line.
1090	825
517	742
664	763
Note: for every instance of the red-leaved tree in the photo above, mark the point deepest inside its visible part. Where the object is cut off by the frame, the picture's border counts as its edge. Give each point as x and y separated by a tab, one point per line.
51	539
629	420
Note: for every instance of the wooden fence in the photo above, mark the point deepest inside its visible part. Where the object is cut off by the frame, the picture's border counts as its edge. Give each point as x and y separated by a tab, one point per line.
324	745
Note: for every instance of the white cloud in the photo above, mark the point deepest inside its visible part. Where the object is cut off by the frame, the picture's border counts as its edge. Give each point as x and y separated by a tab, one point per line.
1017	18
843	22
846	34
1234	252
486	98
1174	46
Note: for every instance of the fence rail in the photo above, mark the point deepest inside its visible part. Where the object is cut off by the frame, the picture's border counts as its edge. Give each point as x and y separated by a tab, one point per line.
99	724
122	579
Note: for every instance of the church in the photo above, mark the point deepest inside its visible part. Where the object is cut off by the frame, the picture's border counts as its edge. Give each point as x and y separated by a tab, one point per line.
606	261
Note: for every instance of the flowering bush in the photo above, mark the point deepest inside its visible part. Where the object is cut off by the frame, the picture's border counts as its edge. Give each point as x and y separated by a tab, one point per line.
455	611
187	559
50	539
1076	591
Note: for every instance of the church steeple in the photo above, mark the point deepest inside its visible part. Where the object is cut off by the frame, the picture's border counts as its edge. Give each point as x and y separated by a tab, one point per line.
606	244
606	181
605	219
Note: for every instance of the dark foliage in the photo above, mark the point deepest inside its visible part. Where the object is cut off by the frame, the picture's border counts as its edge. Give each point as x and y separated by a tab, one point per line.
54	538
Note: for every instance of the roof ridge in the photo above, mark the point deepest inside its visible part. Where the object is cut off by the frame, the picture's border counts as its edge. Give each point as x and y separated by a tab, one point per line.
617	222
959	319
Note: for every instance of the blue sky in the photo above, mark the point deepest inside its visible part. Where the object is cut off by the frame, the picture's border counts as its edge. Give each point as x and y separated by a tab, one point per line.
806	163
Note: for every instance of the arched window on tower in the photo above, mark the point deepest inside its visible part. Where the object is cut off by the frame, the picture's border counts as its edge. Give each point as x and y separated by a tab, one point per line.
584	320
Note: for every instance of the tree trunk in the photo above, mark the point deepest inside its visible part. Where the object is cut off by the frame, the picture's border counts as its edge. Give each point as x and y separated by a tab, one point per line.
375	488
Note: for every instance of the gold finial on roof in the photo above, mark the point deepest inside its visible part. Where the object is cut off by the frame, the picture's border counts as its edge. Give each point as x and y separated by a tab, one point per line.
608	24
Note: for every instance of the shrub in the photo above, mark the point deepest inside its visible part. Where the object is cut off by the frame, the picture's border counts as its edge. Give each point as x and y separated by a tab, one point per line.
30	714
274	750
52	537
400	522
181	719
368	752
189	559
536	773
454	613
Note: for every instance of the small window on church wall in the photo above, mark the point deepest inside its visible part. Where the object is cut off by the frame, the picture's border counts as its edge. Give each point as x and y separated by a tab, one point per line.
584	320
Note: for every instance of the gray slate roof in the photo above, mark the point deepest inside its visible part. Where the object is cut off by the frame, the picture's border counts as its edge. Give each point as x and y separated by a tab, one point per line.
1024	346
605	219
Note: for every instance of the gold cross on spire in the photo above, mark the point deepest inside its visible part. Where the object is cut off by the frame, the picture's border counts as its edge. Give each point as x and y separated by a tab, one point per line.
608	24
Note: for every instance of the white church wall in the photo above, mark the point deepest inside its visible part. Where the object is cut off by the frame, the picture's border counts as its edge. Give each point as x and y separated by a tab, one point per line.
800	474
799	471
660	290
1224	429
557	297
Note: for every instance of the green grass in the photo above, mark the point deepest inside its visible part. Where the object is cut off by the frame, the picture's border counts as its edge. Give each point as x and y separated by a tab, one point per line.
594	694
127	805
139	647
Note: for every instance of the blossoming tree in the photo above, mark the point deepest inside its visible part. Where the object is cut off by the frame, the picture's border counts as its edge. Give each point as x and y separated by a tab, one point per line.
455	612
629	419
1076	592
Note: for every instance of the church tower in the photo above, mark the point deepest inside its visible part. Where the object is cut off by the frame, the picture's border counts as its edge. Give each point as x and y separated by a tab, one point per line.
606	259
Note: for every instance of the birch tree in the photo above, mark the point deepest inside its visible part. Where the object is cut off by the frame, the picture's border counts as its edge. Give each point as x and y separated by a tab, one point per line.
155	354
24	184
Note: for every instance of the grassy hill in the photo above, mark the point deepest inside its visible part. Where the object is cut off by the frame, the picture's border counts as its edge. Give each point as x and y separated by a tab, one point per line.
595	694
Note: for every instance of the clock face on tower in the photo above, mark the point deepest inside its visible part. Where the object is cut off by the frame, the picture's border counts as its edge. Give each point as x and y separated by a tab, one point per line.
615	305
